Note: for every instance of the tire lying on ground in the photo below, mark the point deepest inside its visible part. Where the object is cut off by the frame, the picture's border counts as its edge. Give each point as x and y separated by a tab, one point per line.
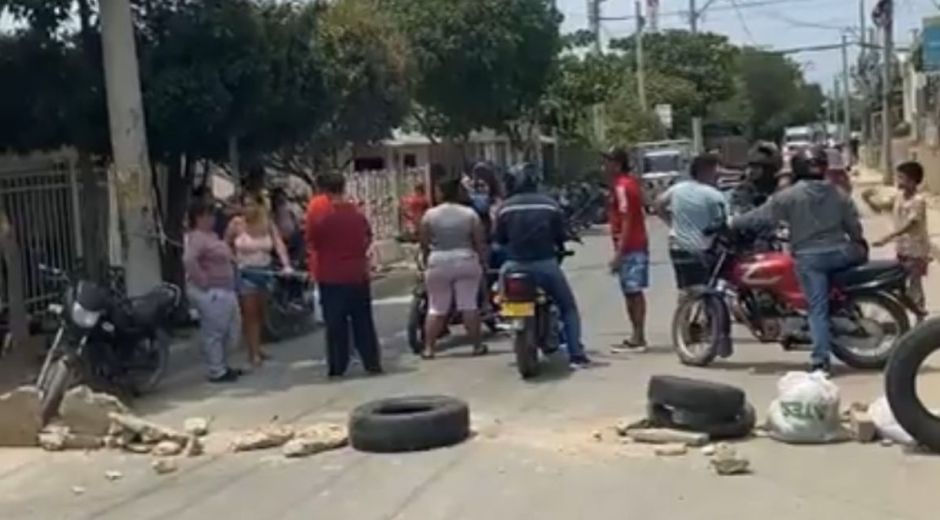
721	402
717	429
409	424
901	383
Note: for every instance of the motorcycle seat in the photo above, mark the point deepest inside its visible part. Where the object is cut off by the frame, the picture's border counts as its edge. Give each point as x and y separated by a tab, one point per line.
872	271
146	310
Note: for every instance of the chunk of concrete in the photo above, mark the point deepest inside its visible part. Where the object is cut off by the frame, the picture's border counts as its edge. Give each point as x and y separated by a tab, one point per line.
20	422
60	438
194	447
315	439
87	412
671	450
167	449
164	466
141	430
198	426
624	426
668	436
862	426
727	461
263	438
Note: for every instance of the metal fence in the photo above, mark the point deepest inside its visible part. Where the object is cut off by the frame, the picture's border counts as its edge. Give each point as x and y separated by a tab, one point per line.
379	195
40	197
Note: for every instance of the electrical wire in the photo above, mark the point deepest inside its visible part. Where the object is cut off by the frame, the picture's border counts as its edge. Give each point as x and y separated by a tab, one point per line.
747	30
740	5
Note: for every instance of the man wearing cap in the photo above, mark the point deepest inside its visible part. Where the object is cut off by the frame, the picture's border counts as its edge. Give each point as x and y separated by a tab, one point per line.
631	246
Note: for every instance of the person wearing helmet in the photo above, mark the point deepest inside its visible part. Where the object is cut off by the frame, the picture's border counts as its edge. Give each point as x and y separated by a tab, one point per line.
531	228
825	237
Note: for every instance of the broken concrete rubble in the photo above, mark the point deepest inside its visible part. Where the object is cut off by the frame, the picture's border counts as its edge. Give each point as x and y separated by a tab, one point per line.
20	424
136	429
167	449
198	426
315	439
727	461
671	450
164	466
263	438
194	447
624	426
61	438
87	412
667	436
862	426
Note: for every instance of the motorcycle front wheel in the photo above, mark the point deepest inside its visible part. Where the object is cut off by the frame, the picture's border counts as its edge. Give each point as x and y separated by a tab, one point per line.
526	351
863	341
696	331
54	386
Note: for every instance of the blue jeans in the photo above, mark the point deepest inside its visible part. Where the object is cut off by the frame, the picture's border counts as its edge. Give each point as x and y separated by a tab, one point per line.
815	267
551	279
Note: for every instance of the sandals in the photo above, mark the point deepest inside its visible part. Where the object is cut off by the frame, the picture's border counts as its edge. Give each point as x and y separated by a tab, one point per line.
481	350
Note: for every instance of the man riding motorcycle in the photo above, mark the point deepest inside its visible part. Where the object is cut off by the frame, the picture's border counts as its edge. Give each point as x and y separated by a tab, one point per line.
825	237
531	227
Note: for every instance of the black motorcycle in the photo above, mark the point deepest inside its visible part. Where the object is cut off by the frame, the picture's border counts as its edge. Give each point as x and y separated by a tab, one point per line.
291	306
105	339
533	317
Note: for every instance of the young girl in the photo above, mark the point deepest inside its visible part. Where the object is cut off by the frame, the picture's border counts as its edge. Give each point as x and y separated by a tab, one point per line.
254	239
909	209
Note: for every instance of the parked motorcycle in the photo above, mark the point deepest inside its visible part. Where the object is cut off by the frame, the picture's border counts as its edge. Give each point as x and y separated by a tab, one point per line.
533	317
106	340
760	289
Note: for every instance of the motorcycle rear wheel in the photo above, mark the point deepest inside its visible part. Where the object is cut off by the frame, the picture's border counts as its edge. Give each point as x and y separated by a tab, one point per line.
415	328
527	352
878	357
155	363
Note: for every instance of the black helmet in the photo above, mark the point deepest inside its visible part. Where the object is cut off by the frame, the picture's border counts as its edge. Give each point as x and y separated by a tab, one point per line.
525	177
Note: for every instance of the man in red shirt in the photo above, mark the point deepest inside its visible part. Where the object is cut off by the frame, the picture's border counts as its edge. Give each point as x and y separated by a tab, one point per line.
339	237
413	209
631	246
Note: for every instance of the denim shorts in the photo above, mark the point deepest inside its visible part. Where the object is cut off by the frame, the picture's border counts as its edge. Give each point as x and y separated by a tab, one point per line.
254	280
634	273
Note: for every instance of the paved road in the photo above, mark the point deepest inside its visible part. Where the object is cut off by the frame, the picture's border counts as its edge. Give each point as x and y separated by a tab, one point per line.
534	455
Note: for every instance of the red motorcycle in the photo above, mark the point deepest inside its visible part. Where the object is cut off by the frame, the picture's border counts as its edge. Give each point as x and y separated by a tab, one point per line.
754	281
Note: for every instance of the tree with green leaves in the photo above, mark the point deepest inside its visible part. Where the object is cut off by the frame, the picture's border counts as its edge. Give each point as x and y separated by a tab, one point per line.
479	63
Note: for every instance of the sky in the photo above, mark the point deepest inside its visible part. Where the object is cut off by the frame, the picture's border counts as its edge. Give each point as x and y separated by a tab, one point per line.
775	24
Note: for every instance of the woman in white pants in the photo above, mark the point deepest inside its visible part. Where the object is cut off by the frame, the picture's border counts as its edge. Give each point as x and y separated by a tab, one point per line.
210	273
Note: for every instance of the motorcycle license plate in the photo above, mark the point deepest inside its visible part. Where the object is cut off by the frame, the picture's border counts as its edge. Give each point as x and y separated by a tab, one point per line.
518	310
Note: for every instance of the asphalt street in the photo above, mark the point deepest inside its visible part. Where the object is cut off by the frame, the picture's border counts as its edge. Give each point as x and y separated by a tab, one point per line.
533	455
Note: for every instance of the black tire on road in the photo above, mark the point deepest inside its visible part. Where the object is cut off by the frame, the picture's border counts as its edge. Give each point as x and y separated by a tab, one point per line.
415	330
737	427
901	383
527	352
702	397
158	362
877	361
56	384
409	424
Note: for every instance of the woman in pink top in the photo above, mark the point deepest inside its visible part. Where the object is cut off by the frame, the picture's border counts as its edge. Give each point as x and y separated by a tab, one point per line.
255	239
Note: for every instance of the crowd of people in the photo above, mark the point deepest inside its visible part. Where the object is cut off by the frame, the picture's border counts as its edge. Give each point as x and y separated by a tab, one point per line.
481	223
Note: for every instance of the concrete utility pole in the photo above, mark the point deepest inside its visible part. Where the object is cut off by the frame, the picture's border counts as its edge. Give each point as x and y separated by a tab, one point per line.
847	93
697	138
640	68
887	121
693	17
597	111
131	171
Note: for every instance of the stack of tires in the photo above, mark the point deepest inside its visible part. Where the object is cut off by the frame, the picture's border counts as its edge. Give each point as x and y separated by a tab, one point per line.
719	410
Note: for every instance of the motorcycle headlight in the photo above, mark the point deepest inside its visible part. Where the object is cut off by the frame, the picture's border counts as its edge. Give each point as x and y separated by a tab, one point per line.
83	317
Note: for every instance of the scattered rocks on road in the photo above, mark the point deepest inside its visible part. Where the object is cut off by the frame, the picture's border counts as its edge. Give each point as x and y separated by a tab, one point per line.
887	443
726	461
264	438
624	426
139	448
78	490
87	412
671	450
316	439
61	438
198	426
113	475
709	450
667	436
194	447
135	429
164	466
862	426
21	423
167	449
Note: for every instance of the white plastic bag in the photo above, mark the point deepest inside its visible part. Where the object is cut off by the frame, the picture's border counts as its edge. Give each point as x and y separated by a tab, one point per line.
806	410
886	424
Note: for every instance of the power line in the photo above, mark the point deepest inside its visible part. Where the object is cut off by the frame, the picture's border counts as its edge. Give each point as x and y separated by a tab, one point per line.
747	30
740	5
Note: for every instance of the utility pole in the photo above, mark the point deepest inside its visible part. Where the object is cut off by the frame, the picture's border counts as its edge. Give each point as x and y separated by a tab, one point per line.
884	15
847	94
131	170
640	68
597	111
693	17
697	138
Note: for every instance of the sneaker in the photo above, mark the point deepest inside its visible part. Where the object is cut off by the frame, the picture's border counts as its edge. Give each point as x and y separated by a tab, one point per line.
628	347
822	368
581	361
230	376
